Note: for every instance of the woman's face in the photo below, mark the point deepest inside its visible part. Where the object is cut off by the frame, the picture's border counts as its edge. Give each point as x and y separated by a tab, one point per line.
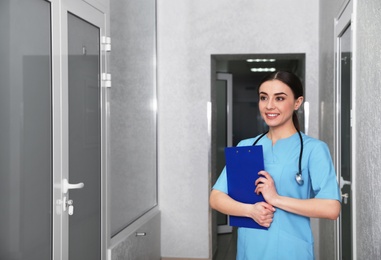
277	104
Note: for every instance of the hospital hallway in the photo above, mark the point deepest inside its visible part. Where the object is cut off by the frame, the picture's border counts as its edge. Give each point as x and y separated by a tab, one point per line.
115	116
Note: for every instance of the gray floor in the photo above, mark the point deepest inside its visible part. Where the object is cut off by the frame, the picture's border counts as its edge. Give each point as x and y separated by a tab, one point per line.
227	246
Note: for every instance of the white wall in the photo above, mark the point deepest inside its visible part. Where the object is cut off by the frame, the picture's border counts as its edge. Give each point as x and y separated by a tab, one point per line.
189	31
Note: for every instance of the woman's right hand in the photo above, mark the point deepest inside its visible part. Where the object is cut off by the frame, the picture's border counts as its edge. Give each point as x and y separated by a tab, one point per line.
262	213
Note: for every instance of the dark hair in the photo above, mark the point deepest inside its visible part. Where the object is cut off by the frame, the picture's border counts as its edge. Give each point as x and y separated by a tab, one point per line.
290	80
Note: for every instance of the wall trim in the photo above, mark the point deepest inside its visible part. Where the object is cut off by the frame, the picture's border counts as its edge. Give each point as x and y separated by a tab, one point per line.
176	258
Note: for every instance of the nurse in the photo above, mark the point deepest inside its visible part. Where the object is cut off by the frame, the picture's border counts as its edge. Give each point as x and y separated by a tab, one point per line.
290	203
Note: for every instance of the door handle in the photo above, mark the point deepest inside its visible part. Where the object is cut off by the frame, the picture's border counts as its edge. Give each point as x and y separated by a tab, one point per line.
66	186
343	182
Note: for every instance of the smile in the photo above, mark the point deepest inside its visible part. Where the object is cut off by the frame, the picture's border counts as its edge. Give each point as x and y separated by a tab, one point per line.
272	115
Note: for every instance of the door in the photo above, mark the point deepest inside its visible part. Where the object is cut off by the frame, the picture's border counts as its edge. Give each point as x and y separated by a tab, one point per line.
344	134
53	129
25	130
83	147
224	135
84	139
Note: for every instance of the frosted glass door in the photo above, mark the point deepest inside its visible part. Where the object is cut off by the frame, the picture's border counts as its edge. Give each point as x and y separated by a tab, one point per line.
25	130
84	138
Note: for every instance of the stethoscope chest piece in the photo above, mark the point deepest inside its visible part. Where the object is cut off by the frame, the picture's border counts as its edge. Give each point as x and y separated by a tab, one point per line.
299	178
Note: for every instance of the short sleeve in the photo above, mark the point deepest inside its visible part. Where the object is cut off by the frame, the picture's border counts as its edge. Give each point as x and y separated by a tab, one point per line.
222	183
322	173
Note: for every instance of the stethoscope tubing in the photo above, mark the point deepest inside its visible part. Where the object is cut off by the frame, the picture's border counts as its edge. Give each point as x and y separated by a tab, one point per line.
298	177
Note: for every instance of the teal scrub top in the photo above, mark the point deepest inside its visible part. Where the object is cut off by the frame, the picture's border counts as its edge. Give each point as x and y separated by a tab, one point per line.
290	235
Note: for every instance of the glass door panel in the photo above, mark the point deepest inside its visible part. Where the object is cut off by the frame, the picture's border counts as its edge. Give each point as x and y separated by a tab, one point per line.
346	144
344	134
25	130
84	138
223	134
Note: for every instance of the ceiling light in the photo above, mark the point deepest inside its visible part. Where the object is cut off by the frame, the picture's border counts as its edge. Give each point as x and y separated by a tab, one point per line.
263	69
261	60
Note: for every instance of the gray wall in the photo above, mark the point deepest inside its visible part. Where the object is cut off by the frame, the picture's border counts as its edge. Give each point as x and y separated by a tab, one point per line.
133	130
368	125
133	178
189	32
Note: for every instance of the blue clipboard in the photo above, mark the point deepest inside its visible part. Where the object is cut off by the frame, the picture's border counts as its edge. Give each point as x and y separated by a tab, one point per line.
242	166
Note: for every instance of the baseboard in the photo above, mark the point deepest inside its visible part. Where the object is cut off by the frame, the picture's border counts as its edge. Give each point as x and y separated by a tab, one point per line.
177	258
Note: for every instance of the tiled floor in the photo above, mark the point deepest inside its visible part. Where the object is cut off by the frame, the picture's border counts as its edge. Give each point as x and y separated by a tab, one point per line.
227	246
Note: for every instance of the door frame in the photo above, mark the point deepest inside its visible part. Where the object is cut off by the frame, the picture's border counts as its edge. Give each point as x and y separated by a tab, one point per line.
97	14
345	18
228	77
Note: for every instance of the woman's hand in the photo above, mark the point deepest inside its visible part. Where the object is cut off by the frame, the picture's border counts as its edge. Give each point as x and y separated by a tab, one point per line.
262	213
313	208
265	185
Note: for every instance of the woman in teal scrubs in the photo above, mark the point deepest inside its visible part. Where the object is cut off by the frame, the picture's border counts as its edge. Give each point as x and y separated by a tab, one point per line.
289	205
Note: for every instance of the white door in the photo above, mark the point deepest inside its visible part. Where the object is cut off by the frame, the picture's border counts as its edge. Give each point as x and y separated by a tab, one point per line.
82	132
344	134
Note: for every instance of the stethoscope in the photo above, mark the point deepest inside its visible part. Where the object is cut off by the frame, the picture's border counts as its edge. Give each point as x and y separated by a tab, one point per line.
298	176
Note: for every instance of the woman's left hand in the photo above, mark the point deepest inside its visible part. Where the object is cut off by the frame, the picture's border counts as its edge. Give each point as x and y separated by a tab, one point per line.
313	208
265	185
